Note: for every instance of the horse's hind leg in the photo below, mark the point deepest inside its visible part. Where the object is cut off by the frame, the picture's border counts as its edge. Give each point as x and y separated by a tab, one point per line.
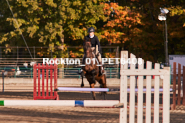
93	93
102	82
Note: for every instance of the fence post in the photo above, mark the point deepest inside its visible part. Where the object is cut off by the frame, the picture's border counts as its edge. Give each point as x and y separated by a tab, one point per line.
174	86
39	80
123	89
118	72
51	76
184	85
17	52
2	80
156	95
79	71
117	56
31	72
148	93
34	51
140	95
43	71
110	72
132	92
63	74
170	76
179	83
34	79
166	96
47	94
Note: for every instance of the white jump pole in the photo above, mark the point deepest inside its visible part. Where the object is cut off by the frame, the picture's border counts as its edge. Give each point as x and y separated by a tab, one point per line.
152	89
83	89
83	103
101	89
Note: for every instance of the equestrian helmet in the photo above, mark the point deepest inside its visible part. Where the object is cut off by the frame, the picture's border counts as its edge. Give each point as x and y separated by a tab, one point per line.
91	29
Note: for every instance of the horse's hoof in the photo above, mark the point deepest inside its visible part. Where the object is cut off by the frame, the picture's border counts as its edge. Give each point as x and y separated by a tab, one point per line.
82	85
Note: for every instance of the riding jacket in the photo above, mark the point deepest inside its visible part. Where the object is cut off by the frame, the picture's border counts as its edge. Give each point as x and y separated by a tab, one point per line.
94	41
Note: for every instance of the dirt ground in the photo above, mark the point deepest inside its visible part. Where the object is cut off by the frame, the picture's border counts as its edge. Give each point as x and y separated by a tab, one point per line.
58	115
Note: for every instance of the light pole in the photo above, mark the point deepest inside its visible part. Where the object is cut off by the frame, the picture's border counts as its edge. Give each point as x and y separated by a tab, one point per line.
162	17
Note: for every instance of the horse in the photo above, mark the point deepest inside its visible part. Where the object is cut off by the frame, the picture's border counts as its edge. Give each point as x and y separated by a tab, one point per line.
91	71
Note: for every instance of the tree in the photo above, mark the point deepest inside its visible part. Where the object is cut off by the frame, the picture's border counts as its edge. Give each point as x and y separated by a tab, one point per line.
146	40
115	29
121	24
46	22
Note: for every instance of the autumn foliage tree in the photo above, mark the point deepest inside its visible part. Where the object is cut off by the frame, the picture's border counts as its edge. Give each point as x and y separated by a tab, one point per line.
120	20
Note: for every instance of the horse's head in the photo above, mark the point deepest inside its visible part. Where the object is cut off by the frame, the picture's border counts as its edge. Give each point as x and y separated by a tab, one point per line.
87	46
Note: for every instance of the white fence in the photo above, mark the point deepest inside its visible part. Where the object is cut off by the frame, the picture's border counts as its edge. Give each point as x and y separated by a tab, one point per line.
163	74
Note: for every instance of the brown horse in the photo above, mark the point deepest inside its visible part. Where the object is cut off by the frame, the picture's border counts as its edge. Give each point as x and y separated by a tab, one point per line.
91	70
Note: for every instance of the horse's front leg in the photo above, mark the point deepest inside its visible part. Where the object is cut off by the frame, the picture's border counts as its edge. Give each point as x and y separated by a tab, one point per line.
93	93
82	84
102	82
82	75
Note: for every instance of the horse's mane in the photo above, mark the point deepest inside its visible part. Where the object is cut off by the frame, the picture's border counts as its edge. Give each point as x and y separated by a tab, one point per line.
87	45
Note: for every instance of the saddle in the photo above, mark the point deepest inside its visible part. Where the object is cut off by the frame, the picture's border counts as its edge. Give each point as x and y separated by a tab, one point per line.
96	54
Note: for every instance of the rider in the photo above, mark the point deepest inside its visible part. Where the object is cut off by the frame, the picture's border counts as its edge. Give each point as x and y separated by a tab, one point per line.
95	41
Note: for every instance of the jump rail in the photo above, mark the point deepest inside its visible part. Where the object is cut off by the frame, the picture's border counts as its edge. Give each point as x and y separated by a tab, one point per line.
83	103
102	89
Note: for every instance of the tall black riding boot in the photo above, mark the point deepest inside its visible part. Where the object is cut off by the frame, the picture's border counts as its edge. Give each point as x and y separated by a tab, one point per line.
101	71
